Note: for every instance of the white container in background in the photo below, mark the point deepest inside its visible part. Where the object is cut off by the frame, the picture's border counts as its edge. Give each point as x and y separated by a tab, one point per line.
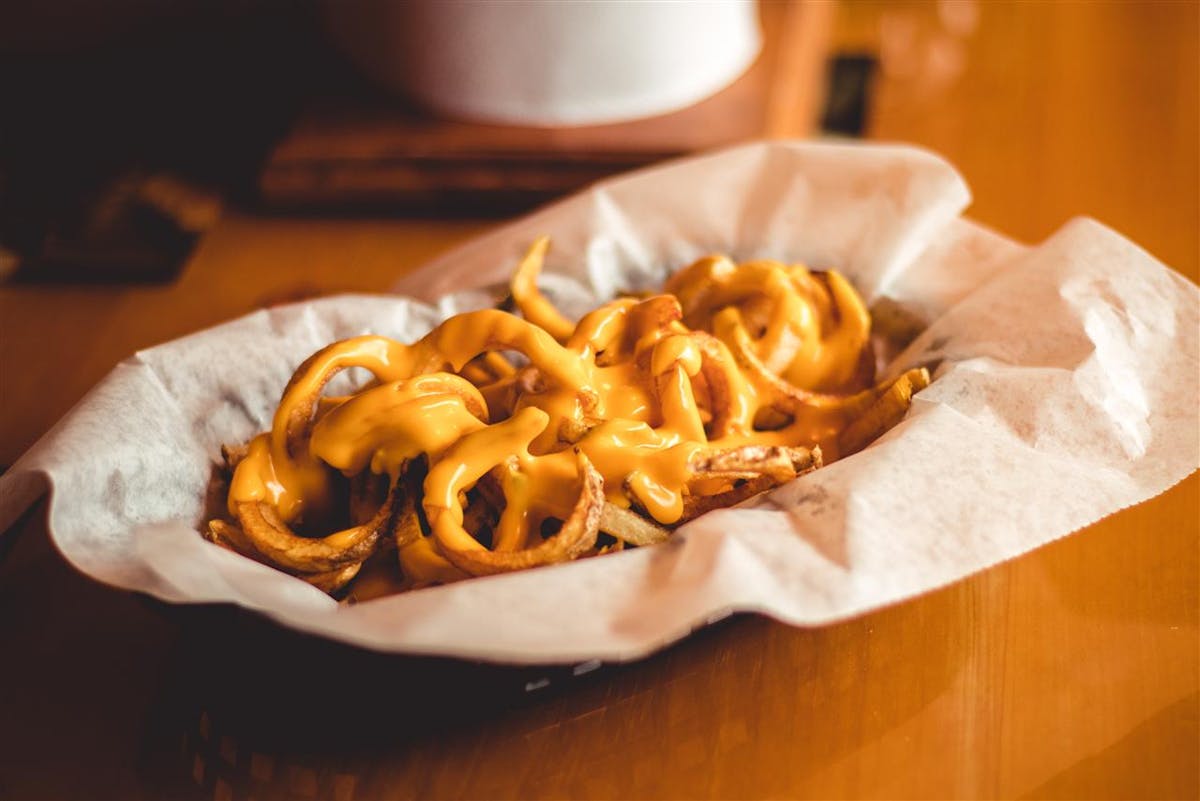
549	62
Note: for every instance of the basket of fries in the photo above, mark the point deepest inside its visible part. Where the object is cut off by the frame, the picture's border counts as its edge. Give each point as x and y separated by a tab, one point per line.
785	378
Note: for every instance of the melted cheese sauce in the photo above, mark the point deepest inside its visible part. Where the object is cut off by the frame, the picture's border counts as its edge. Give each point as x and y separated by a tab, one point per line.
630	385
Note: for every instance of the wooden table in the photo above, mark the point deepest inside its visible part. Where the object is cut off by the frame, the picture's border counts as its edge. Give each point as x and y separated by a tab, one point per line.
1070	672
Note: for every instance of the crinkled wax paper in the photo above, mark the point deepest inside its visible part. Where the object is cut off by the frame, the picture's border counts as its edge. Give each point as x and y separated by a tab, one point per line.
1065	390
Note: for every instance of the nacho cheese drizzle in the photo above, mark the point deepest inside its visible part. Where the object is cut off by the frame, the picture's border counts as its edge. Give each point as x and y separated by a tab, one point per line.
629	400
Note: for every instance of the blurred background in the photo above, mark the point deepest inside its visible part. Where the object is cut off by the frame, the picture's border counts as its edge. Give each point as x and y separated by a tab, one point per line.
127	128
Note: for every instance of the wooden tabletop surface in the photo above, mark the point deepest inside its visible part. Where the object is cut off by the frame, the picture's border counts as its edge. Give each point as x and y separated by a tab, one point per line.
1071	672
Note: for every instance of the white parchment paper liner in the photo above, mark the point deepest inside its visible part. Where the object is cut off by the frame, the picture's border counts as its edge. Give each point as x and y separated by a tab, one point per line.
1066	390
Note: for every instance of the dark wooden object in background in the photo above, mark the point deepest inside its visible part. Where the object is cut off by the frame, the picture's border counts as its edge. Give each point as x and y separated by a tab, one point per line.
366	149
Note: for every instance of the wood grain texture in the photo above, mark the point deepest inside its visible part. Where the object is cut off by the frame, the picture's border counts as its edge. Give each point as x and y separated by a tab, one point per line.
1071	672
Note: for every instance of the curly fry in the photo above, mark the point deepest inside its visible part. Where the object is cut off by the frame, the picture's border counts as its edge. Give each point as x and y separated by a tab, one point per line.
648	412
529	298
274	539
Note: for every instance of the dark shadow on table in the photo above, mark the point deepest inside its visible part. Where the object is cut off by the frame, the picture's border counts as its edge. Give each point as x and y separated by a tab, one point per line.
252	710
